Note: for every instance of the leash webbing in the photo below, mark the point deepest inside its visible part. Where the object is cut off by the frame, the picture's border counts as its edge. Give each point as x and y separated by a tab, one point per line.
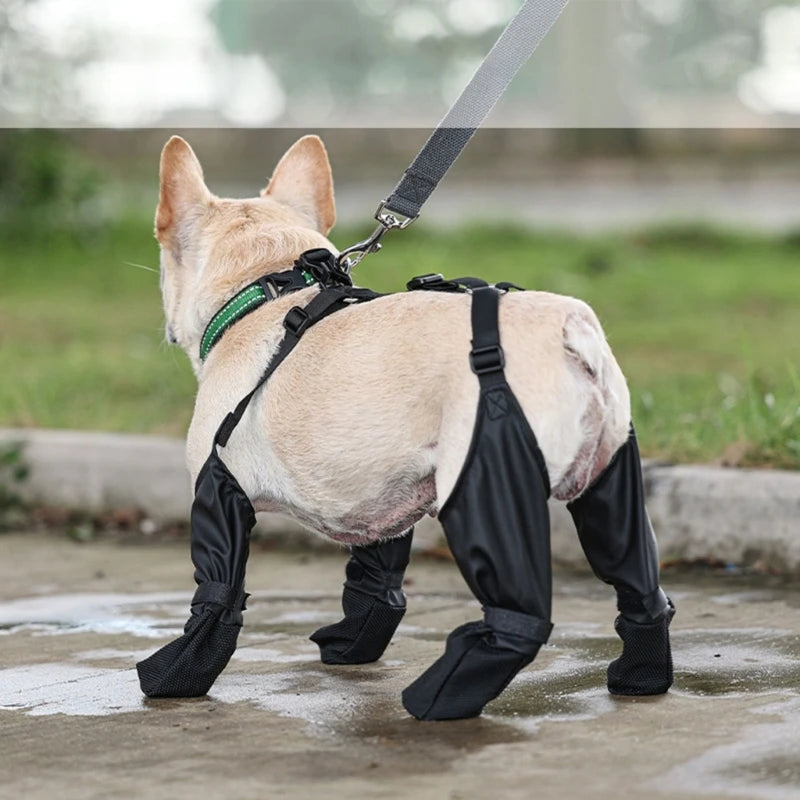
515	46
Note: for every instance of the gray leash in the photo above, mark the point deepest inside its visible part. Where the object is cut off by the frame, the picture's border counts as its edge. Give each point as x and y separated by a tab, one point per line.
514	47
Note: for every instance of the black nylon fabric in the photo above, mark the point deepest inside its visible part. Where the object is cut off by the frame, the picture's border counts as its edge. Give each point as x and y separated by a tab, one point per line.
618	539
478	663
498	527
428	168
496	519
222	518
188	666
613	526
373	602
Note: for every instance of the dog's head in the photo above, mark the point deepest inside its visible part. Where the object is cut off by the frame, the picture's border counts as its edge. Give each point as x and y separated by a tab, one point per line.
211	247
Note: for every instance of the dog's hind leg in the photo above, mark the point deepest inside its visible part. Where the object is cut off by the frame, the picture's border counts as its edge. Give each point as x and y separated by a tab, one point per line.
497	525
617	537
373	602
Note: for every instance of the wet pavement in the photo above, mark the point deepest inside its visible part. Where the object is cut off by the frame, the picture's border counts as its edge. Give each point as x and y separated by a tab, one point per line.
74	618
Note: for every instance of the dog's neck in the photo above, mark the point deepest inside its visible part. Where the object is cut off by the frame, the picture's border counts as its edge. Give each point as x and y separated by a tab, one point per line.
255	294
315	267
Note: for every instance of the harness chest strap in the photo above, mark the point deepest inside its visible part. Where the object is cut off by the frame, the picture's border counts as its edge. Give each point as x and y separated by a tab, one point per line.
296	323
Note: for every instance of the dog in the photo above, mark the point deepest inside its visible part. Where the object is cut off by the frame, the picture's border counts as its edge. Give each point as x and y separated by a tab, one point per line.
369	425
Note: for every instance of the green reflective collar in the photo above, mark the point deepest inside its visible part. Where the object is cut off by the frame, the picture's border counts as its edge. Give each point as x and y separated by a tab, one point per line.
249	299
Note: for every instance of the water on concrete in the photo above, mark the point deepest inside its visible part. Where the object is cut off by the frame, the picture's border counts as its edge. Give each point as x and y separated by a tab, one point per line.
74	619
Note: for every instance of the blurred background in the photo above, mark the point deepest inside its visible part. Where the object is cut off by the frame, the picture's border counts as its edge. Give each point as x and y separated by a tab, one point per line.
393	63
647	160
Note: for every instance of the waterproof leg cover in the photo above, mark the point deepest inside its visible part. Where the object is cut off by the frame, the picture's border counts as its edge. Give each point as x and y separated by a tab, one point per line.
617	537
497	525
373	602
222	518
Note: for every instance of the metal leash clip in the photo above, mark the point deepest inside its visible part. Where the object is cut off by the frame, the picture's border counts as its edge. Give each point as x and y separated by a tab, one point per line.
388	220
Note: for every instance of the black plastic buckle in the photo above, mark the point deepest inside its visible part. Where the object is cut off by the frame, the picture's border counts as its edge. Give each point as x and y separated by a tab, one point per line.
507	286
317	255
429	281
296	320
484	360
269	286
324	267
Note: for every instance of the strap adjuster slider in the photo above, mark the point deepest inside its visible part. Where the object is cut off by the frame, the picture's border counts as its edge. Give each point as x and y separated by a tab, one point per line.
296	320
430	281
484	360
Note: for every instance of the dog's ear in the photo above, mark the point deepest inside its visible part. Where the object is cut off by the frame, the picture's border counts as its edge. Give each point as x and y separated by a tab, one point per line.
303	181
183	191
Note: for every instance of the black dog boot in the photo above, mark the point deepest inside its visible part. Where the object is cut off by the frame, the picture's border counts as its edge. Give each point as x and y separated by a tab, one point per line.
645	666
373	603
479	661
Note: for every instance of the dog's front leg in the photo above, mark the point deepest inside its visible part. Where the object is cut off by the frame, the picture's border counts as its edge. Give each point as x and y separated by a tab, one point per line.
373	602
222	518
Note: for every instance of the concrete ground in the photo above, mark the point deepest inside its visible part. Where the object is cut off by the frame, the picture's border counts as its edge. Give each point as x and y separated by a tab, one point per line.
278	724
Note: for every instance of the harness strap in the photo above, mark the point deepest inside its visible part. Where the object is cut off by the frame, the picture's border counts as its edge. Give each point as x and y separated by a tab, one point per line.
297	322
435	282
486	358
249	299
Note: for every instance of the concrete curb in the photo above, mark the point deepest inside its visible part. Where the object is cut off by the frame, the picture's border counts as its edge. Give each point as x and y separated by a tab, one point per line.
736	515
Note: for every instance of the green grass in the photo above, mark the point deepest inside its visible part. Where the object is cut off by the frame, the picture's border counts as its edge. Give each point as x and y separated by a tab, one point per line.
705	324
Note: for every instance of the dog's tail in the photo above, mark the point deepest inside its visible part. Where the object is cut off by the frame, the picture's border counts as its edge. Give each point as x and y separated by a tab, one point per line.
607	415
585	342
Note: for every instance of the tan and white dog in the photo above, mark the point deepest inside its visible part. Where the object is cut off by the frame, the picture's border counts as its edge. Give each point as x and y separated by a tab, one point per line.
365	428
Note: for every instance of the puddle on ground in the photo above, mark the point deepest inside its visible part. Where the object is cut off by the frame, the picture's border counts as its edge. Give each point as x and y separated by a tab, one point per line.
101	681
529	710
147	615
279	671
747	597
268	654
153	616
718	662
763	764
43	689
244	653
